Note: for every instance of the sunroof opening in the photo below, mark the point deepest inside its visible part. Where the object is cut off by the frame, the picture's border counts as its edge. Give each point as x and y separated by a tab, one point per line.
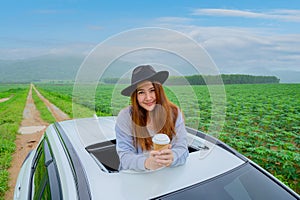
107	158
106	155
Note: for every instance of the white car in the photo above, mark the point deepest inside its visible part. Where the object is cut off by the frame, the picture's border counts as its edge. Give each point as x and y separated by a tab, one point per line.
77	159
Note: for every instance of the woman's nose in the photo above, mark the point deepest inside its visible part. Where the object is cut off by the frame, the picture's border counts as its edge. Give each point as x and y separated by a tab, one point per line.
148	95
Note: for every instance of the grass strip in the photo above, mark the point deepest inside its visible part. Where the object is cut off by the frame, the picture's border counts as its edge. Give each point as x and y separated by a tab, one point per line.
11	113
45	114
64	103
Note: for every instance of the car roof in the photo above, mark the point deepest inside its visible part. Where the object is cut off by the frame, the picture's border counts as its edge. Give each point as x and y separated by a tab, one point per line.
200	165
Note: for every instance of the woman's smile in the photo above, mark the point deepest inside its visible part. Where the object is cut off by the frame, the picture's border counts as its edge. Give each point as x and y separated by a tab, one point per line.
149	106
150	103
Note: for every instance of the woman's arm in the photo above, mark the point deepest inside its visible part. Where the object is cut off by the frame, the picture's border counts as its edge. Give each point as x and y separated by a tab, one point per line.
129	158
177	152
179	142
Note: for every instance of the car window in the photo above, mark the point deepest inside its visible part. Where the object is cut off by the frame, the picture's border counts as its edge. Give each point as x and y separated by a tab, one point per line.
245	183
45	182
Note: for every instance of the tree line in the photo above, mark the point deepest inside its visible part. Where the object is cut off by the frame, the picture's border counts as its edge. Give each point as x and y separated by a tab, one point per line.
209	79
223	79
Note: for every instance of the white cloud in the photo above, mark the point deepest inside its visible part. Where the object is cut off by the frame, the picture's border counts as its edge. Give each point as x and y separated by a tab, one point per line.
240	50
13	53
279	14
69	49
227	12
21	53
256	50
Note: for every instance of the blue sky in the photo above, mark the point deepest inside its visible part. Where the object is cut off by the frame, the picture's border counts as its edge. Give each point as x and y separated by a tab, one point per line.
242	36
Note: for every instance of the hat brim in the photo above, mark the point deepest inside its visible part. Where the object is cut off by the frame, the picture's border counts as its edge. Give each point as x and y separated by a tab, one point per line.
160	77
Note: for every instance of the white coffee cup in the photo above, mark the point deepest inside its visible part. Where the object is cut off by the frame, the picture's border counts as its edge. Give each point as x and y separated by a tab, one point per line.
160	141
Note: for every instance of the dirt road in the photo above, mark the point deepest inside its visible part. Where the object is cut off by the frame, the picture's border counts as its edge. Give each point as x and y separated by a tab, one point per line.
31	130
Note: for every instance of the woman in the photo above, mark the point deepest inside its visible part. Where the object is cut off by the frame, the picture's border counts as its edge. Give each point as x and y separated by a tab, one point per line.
150	113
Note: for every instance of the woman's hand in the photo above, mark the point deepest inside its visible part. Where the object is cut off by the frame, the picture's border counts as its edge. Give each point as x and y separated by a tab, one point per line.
165	157
158	159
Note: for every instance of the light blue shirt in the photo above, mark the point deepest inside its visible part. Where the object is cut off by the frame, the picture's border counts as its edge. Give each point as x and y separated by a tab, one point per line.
134	158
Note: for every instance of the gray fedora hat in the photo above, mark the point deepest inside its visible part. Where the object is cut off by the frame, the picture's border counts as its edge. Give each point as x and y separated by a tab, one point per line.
143	73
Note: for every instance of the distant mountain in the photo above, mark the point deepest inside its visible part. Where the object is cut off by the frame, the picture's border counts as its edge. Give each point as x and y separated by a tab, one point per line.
40	68
54	67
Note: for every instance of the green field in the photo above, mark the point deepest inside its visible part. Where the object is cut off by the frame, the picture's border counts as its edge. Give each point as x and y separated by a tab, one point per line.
11	113
261	121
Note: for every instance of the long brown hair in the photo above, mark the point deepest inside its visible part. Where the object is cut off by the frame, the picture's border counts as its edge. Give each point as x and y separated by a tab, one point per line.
163	117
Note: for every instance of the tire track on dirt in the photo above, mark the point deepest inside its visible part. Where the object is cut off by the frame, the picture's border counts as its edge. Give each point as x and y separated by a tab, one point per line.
31	130
56	112
33	127
4	99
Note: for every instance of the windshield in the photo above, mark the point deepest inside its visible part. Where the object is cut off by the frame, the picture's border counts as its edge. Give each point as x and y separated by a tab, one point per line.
245	183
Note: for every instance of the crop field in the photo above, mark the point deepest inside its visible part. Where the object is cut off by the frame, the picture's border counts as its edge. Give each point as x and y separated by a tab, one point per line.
261	121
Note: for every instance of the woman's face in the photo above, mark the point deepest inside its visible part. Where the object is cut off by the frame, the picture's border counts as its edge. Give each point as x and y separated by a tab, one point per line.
146	95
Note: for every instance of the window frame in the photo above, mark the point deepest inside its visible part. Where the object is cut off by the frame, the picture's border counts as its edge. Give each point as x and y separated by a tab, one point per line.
51	172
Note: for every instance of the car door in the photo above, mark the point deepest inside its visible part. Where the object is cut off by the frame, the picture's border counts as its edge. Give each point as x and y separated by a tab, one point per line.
44	182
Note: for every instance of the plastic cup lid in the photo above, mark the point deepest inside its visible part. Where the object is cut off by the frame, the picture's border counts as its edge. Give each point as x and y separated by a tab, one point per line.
161	138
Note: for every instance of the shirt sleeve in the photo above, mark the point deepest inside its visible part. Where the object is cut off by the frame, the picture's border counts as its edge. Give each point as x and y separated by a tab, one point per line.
128	154
179	142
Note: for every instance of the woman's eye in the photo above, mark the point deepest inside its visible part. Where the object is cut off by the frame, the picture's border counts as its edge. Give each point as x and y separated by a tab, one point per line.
140	92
